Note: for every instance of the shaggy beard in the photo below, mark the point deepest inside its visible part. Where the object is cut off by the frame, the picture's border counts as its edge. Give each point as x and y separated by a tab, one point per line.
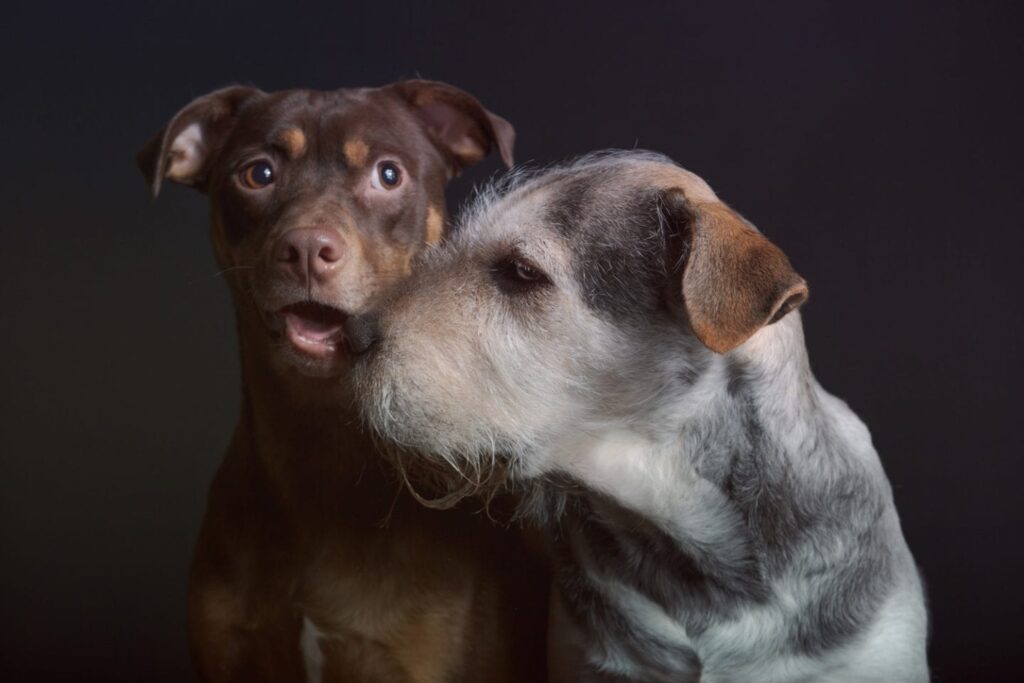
443	483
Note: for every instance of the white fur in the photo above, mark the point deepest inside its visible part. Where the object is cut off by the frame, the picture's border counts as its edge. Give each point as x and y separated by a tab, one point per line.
556	388
312	655
187	154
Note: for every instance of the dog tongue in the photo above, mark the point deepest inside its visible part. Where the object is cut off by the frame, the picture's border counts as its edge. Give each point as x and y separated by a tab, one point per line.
315	322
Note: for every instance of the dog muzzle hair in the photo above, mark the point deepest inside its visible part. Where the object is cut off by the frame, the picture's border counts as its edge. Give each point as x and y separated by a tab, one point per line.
625	346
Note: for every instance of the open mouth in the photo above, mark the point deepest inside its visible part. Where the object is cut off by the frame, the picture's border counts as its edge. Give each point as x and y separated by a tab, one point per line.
313	328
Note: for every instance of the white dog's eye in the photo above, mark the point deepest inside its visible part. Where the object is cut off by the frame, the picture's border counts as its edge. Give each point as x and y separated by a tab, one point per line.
515	274
526	272
387	176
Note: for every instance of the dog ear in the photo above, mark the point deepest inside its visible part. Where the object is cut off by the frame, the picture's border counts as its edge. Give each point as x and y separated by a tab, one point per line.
457	122
182	151
734	280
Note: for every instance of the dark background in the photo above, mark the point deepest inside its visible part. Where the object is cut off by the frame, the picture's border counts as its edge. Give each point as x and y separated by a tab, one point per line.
878	145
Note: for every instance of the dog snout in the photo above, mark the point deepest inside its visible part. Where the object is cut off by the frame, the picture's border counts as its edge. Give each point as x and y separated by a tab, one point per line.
361	332
309	253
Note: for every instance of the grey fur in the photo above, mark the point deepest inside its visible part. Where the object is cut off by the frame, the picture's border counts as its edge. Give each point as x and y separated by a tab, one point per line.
714	517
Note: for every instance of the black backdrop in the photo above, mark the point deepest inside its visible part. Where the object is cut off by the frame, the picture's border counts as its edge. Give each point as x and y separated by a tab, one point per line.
879	145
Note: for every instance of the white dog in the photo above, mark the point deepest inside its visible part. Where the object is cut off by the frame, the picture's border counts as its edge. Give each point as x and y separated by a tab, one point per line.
625	346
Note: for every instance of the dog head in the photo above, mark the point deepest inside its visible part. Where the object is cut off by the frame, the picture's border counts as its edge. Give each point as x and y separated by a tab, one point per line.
319	200
580	296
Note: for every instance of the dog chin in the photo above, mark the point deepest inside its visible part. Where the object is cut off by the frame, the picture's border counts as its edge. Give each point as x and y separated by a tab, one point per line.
441	442
393	409
322	366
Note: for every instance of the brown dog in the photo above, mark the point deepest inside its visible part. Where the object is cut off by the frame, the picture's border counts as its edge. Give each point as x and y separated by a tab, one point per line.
311	565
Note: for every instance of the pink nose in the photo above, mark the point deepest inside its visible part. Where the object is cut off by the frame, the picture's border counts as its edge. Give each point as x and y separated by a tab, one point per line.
309	252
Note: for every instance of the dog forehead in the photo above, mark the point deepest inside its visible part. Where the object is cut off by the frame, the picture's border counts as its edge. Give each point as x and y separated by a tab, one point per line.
598	218
351	121
607	211
517	214
602	194
300	109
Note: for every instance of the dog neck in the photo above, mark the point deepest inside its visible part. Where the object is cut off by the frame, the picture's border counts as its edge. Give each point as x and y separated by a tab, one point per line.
302	431
667	534
712	458
697	422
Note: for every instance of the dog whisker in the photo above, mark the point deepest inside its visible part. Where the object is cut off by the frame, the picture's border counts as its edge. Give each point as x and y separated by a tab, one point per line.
230	269
690	472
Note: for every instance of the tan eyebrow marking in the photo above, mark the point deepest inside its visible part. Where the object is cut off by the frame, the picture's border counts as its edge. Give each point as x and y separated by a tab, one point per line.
293	140
435	225
356	152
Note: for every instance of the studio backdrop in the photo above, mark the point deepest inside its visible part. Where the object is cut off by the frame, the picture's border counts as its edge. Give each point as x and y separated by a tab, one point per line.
878	144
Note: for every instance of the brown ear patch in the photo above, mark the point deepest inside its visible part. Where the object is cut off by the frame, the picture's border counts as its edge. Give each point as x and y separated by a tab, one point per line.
735	281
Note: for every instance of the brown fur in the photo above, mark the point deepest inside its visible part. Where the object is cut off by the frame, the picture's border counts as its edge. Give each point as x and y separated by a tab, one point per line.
294	142
735	280
435	225
304	522
356	152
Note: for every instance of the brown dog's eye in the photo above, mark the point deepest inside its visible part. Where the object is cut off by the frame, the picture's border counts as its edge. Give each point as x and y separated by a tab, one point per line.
389	175
257	175
515	274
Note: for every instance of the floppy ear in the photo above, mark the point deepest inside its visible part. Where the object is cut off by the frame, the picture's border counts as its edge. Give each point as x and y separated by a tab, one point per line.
734	280
182	151
457	122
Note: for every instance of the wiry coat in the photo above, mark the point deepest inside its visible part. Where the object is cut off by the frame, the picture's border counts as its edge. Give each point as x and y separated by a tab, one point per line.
715	515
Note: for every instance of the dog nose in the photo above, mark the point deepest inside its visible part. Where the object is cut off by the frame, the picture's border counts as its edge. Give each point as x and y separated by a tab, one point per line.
309	252
361	332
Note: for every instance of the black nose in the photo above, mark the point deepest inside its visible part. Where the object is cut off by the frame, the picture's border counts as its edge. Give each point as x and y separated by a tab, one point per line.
361	332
